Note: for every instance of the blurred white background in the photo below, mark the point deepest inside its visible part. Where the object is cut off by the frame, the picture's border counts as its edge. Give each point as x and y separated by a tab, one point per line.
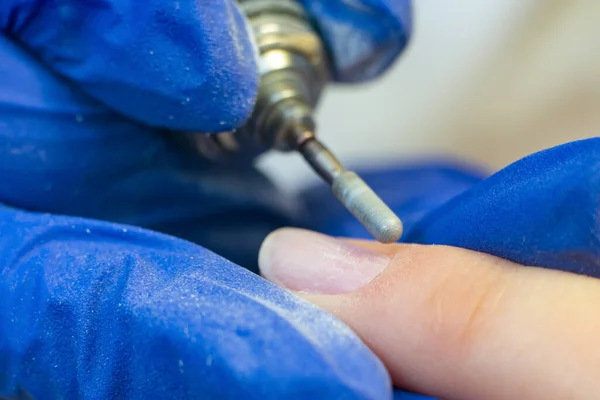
484	81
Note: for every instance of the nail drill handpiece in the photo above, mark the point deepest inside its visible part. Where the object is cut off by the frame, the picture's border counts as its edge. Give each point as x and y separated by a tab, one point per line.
293	68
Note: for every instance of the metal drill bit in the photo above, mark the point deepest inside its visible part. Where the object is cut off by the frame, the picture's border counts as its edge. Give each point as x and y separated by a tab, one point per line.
352	192
293	73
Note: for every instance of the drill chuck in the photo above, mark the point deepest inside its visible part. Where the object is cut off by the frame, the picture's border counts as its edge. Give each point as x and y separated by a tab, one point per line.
293	69
293	73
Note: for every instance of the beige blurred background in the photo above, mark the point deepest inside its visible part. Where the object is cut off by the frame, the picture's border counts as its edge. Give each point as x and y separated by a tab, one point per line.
484	81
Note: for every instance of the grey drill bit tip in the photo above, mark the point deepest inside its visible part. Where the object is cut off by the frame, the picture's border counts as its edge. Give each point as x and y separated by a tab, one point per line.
352	192
293	73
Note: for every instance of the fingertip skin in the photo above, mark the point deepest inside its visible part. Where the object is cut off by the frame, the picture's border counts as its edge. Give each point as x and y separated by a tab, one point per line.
164	63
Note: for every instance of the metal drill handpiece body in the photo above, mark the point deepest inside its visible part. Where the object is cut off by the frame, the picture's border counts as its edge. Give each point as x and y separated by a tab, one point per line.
293	72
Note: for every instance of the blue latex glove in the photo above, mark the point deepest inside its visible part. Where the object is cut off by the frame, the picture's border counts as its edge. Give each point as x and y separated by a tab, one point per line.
92	309
68	147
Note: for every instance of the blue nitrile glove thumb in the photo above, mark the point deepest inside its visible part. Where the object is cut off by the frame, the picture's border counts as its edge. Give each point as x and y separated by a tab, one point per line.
541	211
164	63
99	310
92	310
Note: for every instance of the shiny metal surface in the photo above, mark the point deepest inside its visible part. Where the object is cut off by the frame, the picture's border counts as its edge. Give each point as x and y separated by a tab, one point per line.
321	160
293	72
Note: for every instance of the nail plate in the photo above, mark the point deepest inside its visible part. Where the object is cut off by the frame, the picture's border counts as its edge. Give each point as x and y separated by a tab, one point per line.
310	262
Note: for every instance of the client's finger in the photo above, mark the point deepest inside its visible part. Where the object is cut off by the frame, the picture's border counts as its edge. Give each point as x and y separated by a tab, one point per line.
449	322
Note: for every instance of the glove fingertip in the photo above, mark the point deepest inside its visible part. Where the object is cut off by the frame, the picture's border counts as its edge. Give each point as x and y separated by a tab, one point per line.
165	64
364	37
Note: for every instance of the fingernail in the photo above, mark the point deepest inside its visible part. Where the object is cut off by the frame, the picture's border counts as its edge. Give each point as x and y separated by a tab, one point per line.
309	262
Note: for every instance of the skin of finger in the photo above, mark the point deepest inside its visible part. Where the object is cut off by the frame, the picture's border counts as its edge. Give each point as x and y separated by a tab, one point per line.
464	325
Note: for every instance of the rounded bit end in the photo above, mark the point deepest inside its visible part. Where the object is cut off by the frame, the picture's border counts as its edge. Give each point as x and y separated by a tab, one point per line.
389	231
367	207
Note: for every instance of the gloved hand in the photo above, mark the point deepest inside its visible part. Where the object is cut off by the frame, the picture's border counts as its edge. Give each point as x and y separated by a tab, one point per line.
90	309
87	88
